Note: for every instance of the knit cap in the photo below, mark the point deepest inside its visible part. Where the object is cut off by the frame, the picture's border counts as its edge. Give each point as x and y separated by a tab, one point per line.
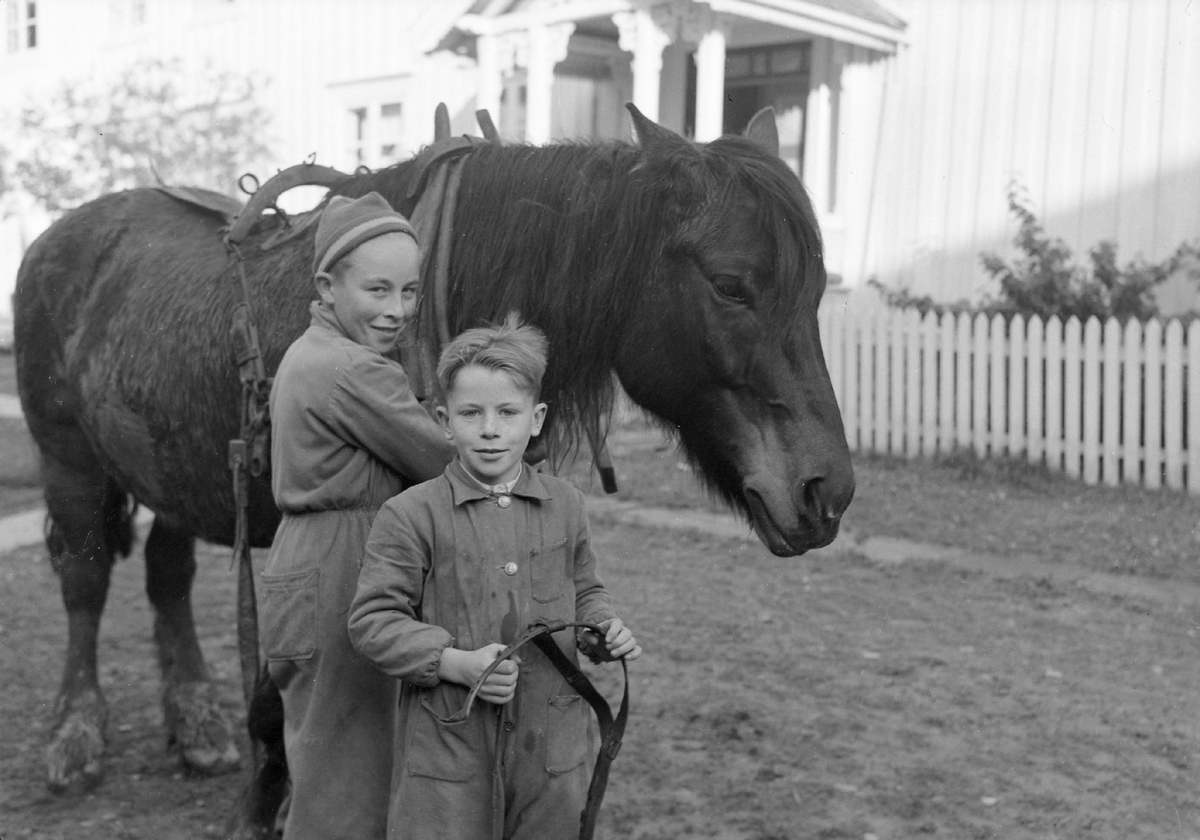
347	223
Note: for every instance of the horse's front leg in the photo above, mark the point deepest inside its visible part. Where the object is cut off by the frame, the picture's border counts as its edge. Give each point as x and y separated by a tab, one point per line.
88	523
196	725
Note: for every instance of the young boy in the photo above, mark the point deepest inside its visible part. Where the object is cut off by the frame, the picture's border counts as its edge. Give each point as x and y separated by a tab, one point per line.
347	435
455	569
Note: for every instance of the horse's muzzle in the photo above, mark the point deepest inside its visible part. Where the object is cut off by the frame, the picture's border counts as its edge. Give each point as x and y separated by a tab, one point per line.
808	517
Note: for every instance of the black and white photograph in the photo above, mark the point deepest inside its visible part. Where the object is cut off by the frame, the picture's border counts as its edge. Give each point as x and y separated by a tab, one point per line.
599	419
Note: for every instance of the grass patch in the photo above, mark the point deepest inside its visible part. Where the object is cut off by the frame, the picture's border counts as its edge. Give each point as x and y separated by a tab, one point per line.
1009	507
8	372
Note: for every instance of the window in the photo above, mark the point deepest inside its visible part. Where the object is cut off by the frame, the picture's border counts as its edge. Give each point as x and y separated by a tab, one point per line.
371	117
513	107
12	26
126	13
358	136
31	24
20	25
778	75
391	133
375	135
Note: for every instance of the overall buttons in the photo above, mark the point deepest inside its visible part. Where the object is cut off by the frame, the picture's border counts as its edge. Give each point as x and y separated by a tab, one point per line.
510	568
509	726
504	501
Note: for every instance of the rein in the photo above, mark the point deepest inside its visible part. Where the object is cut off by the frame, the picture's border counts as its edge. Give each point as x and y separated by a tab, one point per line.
612	728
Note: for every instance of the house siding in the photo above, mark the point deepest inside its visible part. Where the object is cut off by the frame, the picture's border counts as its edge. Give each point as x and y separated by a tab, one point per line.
1092	107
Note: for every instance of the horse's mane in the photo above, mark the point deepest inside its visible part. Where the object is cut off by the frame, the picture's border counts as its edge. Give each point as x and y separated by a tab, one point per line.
569	234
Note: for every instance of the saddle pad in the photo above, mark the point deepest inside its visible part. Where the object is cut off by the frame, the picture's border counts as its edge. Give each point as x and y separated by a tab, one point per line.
220	205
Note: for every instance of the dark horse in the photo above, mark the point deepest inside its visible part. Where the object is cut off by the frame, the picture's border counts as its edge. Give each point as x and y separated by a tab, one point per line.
690	271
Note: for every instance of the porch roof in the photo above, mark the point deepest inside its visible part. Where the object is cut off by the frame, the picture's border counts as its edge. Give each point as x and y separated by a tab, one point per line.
863	22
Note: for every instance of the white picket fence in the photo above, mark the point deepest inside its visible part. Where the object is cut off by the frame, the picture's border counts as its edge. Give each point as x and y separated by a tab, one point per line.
1100	402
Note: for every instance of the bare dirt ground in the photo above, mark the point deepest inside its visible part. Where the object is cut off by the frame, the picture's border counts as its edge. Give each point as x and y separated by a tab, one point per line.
827	696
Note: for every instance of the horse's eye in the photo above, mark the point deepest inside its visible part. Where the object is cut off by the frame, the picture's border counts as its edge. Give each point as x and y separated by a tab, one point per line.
729	287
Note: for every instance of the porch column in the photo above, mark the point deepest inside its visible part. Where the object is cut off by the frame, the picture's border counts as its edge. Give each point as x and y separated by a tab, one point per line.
641	36
710	84
491	81
820	146
547	47
672	109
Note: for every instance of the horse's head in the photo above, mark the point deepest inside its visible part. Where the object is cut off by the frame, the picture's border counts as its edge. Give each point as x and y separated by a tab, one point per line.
726	345
693	271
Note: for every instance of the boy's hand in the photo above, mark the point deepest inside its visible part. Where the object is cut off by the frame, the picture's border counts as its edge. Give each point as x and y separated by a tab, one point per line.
619	640
466	666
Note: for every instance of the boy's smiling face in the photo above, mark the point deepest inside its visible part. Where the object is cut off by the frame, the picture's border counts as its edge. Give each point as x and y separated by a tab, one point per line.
373	290
490	418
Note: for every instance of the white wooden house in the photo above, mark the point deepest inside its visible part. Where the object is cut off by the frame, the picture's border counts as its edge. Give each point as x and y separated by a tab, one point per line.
906	119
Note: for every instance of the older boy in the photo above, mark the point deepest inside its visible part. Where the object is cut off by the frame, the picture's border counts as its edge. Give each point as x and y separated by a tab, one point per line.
455	569
347	435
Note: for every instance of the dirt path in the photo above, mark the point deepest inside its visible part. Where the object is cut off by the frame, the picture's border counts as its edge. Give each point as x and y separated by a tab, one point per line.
27	528
891	550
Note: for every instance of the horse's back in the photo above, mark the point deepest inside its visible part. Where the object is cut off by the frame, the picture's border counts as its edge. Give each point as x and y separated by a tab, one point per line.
121	319
94	246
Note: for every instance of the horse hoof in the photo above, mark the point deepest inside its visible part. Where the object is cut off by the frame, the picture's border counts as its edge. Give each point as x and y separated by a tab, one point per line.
199	730
75	754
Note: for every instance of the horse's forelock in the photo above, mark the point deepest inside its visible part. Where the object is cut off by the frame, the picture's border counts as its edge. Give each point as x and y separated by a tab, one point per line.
781	208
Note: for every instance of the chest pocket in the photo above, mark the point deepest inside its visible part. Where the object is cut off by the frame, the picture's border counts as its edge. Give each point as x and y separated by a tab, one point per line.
548	571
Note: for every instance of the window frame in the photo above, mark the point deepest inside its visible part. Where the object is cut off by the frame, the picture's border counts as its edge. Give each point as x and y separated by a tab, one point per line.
30	24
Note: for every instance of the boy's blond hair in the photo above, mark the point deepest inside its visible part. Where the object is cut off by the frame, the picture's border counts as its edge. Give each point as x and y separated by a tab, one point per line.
518	349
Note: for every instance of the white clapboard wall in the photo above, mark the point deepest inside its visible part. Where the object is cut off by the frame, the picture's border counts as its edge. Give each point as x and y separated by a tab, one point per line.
1104	402
1091	106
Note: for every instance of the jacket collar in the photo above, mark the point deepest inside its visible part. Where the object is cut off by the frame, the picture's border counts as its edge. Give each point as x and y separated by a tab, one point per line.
466	489
322	316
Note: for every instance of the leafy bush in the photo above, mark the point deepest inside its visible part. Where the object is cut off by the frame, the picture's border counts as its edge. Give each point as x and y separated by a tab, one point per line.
1045	280
152	123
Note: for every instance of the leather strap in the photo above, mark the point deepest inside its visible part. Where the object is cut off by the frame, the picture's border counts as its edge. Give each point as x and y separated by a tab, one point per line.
612	728
302	174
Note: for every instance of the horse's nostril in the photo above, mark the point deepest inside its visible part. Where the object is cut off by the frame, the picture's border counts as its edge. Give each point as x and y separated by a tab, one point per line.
813	499
810	498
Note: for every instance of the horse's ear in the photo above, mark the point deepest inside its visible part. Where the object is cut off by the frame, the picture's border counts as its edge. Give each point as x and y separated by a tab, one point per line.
649	133
763	131
441	122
